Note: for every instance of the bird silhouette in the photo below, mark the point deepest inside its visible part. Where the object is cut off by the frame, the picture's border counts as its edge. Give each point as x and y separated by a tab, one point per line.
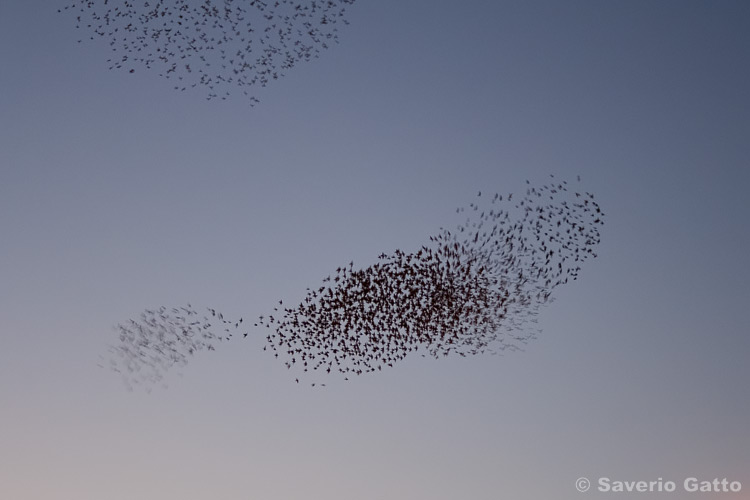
473	290
232	45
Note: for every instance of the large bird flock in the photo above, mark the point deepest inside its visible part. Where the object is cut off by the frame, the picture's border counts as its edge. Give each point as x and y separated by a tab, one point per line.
475	289
218	45
468	291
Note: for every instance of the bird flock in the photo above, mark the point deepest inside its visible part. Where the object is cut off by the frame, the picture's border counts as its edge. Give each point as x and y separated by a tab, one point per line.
467	291
165	338
217	45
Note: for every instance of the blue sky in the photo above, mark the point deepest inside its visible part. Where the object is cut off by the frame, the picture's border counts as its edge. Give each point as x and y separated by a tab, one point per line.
118	193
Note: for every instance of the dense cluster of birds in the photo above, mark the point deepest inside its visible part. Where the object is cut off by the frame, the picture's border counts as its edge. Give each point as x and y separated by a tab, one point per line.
475	289
219	45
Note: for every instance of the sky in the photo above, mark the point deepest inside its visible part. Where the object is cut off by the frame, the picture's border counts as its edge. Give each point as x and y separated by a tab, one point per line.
118	193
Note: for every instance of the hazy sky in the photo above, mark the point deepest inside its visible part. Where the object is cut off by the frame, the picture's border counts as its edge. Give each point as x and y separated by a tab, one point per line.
118	193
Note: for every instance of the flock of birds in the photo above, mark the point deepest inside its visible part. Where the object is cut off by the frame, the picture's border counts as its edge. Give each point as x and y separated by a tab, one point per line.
219	45
476	289
468	291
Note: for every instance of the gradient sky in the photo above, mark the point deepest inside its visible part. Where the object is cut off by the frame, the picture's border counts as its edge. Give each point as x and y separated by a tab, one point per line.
118	193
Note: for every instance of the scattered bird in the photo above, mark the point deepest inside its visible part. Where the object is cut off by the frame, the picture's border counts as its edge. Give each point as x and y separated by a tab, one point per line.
473	290
218	46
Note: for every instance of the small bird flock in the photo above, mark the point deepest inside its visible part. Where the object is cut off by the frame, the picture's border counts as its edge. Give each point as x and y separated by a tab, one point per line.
473	290
217	45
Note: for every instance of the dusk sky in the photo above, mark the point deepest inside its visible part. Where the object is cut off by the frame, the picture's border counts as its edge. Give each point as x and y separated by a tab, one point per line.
118	193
